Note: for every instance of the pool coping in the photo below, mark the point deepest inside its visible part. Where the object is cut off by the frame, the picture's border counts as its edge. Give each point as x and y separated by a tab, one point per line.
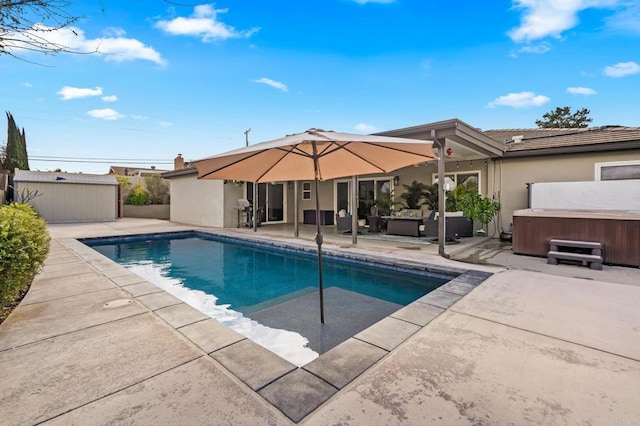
295	391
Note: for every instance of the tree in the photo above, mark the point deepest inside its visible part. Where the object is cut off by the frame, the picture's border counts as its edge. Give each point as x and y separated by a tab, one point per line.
15	151
158	189
24	25
562	118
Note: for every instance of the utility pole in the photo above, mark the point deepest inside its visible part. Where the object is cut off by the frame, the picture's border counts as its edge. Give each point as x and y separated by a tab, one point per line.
246	137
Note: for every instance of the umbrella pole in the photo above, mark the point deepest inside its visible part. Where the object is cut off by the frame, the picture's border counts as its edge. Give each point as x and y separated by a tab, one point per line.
318	232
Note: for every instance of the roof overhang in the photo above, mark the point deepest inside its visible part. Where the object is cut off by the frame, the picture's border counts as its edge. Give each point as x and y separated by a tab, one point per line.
465	141
180	172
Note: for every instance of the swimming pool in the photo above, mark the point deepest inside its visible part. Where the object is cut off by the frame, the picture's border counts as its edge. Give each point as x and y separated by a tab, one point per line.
268	294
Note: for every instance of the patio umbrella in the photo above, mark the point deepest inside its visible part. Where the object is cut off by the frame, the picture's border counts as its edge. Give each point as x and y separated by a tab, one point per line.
316	155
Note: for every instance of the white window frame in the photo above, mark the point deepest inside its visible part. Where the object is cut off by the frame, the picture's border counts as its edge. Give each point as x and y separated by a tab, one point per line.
434	177
600	166
375	179
306	191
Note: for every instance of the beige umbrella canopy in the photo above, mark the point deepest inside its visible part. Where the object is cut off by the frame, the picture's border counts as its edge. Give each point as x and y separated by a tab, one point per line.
316	155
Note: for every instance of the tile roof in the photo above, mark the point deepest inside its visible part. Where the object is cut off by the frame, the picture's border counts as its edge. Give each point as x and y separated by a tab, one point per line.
543	139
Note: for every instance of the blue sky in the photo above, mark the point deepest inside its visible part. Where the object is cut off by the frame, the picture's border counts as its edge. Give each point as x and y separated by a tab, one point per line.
192	78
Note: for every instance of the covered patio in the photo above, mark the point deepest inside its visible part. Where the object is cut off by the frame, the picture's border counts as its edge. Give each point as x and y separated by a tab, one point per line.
464	153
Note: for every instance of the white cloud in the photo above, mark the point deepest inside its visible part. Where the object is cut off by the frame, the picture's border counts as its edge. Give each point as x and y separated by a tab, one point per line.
519	100
73	39
622	69
105	114
581	91
114	32
203	23
272	83
365	128
126	49
68	92
27	84
139	117
110	98
166	124
374	1
535	49
627	19
550	18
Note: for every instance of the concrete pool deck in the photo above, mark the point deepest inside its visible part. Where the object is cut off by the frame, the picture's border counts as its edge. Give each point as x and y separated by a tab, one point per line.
91	344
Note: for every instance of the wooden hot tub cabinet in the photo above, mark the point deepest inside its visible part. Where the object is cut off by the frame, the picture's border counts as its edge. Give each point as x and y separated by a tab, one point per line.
619	232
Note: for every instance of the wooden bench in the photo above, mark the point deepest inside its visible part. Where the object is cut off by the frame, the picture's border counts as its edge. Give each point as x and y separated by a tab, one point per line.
593	258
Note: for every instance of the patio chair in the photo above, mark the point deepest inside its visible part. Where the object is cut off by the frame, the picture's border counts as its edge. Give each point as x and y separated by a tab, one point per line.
343	221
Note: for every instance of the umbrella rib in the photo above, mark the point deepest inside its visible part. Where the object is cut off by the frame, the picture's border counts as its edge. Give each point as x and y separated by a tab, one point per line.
229	165
293	150
381	146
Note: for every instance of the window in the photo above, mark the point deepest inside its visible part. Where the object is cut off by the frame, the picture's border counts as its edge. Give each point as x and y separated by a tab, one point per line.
470	179
306	190
618	170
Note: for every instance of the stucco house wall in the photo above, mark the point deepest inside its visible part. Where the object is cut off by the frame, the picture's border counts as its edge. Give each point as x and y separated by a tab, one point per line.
203	202
517	172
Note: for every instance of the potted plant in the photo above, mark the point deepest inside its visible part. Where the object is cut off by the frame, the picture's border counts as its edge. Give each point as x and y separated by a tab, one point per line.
478	208
384	204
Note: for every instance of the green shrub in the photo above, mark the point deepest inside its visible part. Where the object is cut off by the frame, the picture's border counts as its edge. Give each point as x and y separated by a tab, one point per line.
24	245
138	196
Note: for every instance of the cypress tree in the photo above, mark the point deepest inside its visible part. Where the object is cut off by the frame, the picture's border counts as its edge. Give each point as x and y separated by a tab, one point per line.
24	158
16	148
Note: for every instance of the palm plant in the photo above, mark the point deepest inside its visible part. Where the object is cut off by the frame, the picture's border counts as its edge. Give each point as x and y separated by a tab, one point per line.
414	195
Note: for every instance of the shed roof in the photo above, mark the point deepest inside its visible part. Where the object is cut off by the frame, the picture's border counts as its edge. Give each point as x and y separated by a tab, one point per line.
60	177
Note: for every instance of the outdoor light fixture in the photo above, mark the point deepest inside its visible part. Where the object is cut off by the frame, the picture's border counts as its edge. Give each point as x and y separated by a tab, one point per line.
396	180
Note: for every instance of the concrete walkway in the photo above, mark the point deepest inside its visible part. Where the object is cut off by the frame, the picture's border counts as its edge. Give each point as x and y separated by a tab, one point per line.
93	344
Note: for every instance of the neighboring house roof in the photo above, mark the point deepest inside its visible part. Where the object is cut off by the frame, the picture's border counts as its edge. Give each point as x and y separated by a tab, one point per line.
59	177
132	171
530	142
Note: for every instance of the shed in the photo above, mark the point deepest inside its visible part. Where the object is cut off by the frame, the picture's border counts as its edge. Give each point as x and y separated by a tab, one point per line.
69	197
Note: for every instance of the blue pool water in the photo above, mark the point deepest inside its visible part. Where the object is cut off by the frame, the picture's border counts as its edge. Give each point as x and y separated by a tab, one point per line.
239	279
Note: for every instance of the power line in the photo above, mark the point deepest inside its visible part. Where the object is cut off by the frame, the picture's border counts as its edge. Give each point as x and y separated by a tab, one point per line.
145	160
100	160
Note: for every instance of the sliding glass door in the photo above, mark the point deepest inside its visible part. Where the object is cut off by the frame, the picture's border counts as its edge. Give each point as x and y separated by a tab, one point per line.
270	201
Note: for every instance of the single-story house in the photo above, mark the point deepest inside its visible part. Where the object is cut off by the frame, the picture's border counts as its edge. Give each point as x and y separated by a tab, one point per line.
68	197
502	162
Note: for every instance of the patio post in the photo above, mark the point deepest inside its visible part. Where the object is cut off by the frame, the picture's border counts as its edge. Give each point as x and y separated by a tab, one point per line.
442	196
255	207
354	209
296	225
